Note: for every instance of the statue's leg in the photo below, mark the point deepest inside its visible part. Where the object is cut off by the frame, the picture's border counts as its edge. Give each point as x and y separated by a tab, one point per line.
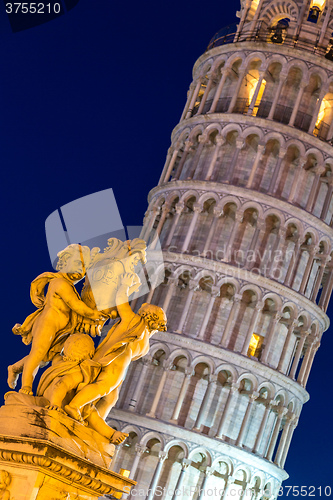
39	349
96	422
14	372
105	404
58	390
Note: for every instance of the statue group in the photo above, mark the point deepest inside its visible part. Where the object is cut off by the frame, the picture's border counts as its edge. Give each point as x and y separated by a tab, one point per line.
82	381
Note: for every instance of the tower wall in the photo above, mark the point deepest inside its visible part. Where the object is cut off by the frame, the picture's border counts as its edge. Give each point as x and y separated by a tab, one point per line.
244	213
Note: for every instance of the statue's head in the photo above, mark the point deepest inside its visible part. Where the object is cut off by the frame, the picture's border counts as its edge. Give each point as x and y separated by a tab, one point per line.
154	316
78	347
73	261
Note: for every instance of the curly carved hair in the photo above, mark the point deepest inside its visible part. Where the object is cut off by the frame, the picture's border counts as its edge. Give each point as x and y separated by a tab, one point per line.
154	316
78	347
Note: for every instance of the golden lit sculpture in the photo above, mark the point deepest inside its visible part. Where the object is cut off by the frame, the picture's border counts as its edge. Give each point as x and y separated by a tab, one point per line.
57	316
127	341
5	481
70	372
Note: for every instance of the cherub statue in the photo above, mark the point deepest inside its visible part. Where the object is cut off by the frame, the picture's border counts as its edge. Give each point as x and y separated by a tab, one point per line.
127	341
5	481
57	316
72	370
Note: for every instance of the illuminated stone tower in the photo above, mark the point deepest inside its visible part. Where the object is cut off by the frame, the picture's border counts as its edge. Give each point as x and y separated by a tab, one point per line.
244	213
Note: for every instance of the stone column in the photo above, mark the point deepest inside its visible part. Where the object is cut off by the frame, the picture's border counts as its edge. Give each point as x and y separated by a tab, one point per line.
268	407
244	426
185	463
286	344
256	93
318	170
288	441
298	353
225	72
204	97
280	414
220	141
212	381
179	210
228	251
152	213
153	286
236	90
326	293
217	214
196	211
146	362
270	334
139	452
233	392
215	292
309	366
256	311
168	167
306	359
279	248
166	368
328	199
229	482
172	285
260	226
165	168
289	278
330	132
322	94
203	140
325	24
324	261
208	471
276	172
283	439
282	79
313	249
165	212
187	147
194	98
188	100
162	455
175	415
239	145
231	320
297	178
260	152
302	86
192	287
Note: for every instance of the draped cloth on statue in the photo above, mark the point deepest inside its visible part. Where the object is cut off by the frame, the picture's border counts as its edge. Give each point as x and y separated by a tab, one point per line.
90	370
37	295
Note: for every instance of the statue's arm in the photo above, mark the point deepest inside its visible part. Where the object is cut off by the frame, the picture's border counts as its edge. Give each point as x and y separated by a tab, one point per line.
77	305
124	309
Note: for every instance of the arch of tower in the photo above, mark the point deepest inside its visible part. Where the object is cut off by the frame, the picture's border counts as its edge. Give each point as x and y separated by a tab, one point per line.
244	213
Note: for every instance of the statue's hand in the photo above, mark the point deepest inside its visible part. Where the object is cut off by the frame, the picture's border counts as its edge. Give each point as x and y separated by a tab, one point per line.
128	279
99	316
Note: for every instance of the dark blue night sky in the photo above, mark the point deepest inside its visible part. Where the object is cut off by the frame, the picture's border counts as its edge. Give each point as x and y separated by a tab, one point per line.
88	102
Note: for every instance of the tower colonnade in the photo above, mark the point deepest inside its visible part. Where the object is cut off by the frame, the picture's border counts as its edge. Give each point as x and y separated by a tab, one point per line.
244	214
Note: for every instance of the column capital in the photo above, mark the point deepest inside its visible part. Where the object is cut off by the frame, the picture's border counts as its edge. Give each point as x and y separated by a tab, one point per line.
261	147
188	145
234	388
259	305
240	143
172	281
203	138
319	169
217	211
189	372
140	450
215	291
147	360
237	298
208	471
220	140
212	379
162	455
193	284
167	365
179	207
255	395
302	161
197	208
282	153
185	463
239	217
281	411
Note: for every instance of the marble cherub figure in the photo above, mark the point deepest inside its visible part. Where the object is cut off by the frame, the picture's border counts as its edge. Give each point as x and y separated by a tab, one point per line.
127	341
59	313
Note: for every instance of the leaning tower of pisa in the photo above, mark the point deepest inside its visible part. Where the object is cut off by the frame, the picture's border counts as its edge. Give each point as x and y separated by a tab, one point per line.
244	212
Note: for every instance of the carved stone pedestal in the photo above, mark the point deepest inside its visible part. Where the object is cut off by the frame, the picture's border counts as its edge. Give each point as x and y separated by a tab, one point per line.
49	456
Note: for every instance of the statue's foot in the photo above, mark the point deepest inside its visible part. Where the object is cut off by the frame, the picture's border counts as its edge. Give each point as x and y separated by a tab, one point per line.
12	377
118	437
26	390
74	413
57	408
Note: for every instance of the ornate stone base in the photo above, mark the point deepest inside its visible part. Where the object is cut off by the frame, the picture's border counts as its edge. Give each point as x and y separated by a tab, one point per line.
49	456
